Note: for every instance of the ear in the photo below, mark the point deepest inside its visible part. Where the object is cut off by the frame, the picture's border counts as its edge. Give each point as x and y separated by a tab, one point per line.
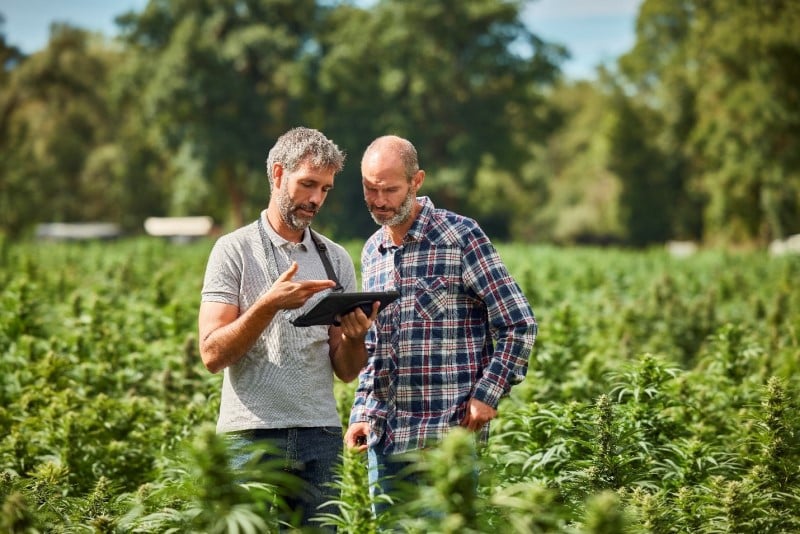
277	175
416	181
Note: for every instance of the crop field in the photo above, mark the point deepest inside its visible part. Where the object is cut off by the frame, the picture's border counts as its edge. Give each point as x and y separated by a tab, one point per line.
662	396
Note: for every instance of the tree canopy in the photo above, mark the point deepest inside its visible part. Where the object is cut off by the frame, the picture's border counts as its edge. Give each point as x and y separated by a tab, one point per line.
693	134
724	77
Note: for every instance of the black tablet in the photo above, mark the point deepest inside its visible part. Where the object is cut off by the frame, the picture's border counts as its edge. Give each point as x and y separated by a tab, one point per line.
333	305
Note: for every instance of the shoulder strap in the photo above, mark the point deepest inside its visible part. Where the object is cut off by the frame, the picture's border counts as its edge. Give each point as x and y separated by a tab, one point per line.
269	253
326	261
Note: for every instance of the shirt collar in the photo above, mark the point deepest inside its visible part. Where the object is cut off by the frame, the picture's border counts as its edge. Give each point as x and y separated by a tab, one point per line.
281	242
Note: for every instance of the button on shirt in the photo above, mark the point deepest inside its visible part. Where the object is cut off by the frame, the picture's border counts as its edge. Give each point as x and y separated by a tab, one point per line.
462	328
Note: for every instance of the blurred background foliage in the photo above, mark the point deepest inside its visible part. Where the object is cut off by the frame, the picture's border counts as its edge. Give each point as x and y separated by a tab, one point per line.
693	134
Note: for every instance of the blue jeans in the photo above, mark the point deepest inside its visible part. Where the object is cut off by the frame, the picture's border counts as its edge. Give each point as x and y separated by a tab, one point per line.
311	454
389	474
397	475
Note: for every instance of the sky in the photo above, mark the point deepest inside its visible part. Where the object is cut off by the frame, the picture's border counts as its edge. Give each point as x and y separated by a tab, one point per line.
594	31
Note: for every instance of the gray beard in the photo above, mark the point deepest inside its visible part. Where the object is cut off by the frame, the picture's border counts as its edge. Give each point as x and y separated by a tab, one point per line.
402	215
287	211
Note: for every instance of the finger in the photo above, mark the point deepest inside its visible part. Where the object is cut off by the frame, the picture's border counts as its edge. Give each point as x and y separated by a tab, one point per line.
344	322
354	317
376	306
355	440
357	447
289	273
355	324
361	442
315	286
349	327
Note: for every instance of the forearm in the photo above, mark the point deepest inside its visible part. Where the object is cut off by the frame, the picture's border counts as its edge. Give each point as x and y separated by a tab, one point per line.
226	345
507	366
348	358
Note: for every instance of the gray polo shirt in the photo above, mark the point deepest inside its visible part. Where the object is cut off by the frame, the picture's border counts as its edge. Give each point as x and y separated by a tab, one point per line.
286	379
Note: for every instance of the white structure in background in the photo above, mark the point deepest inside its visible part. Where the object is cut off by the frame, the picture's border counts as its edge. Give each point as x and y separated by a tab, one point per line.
681	249
179	229
790	245
77	231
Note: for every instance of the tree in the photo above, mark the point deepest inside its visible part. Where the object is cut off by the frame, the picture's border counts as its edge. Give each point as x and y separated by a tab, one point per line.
747	137
723	76
647	198
10	219
578	198
53	115
220	81
462	79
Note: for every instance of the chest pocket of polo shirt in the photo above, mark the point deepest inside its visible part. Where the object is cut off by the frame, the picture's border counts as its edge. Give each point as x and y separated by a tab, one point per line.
431	300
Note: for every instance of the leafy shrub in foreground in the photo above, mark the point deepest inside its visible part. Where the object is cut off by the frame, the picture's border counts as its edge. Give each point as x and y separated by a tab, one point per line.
661	397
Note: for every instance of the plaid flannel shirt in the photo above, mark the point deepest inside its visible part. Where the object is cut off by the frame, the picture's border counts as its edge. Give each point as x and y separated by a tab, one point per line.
461	329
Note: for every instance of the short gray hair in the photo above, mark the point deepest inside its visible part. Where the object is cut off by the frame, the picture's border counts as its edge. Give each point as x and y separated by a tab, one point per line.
302	144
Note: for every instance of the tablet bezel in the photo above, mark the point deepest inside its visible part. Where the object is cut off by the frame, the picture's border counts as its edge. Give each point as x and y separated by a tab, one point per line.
335	304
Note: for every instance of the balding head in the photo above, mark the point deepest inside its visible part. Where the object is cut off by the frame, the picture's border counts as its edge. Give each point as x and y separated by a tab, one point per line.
390	150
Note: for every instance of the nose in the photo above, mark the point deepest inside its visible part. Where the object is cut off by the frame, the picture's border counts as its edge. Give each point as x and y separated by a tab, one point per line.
378	198
318	196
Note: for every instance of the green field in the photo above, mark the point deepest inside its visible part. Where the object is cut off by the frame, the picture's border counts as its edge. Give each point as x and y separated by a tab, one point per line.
662	396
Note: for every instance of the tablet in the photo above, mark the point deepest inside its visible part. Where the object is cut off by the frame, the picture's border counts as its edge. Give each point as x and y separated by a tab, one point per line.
333	305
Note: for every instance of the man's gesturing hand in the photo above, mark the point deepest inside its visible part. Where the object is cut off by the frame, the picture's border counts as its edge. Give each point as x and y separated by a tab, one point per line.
288	294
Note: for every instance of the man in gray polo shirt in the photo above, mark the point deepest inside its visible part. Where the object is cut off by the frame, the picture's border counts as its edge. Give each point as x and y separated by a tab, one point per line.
278	379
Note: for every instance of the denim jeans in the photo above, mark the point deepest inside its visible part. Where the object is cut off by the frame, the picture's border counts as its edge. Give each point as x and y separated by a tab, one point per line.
388	474
397	475
311	454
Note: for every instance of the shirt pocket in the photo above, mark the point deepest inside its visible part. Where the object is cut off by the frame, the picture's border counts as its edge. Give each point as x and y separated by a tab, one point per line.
431	298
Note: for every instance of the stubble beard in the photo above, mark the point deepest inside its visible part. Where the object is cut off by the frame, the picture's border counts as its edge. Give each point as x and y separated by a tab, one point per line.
288	211
400	216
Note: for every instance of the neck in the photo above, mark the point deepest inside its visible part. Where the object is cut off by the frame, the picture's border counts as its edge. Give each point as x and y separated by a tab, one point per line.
281	228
